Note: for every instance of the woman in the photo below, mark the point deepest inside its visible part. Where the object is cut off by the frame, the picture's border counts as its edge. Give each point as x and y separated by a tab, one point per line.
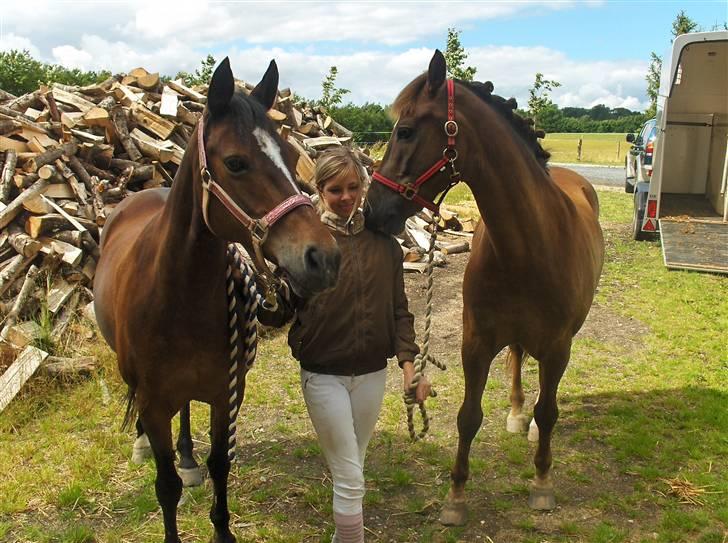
344	336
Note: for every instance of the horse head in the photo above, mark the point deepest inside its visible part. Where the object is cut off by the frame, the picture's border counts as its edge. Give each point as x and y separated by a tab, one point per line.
248	191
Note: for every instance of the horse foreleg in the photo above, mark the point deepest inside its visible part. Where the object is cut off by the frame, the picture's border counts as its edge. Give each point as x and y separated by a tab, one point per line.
141	450
516	422
188	468
477	358
218	465
546	412
168	485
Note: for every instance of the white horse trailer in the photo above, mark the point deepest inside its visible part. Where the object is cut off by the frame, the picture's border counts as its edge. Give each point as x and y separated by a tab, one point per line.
685	200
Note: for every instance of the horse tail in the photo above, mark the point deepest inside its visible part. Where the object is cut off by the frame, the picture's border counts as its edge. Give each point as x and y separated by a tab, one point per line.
511	355
131	411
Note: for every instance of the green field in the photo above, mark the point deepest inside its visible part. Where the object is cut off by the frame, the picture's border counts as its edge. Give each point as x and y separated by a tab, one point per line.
607	149
643	408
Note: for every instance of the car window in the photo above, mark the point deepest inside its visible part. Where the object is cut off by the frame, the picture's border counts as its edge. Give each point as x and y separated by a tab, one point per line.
653	134
648	128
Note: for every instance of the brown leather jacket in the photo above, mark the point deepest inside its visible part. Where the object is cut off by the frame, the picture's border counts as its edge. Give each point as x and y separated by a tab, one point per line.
352	328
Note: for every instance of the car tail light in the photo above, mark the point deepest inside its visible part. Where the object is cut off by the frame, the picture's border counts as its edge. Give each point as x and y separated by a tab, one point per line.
652	208
650	148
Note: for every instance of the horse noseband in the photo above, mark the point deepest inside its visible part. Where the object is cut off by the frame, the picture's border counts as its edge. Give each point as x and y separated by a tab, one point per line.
258	228
409	191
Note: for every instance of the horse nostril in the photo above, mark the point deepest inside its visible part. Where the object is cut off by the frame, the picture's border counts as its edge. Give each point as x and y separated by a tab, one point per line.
322	264
314	260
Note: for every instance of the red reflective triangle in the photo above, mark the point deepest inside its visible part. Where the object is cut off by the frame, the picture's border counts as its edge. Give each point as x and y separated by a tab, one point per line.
649	225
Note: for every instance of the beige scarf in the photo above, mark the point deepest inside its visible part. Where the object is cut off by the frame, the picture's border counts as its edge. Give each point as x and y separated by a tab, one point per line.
349	227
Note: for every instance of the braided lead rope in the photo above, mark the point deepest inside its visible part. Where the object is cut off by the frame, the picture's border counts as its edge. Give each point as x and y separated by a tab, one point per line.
249	327
424	356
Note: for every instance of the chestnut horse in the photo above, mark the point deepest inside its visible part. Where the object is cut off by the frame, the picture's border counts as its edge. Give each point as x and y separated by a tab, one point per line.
160	289
536	256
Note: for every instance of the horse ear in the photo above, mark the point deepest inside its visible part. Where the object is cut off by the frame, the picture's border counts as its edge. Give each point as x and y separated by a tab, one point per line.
222	87
436	73
267	90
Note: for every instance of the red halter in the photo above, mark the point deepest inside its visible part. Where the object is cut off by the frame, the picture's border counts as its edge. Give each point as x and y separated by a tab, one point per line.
449	154
258	227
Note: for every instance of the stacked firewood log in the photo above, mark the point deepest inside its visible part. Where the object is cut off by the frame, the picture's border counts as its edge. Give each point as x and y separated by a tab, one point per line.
68	155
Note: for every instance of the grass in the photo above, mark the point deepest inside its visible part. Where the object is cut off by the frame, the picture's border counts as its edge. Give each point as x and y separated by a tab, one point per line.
604	149
643	400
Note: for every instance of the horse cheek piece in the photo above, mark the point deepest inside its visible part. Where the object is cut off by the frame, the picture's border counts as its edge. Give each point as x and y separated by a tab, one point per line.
161	292
536	257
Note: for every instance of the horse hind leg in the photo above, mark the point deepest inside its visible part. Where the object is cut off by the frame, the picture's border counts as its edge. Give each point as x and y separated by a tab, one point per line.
142	450
546	412
477	358
517	422
168	485
187	468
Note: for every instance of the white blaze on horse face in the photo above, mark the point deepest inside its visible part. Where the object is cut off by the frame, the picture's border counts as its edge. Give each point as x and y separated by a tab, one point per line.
269	146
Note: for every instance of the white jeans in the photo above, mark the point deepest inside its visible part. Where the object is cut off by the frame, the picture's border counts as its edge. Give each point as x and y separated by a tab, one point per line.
344	411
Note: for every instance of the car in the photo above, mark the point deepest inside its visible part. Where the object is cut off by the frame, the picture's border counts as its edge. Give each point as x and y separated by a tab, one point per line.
638	162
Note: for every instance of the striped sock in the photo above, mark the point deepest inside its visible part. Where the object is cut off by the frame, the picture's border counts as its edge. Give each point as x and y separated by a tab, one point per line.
349	528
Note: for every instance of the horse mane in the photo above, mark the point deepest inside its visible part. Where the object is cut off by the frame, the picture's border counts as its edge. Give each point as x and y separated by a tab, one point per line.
506	108
405	101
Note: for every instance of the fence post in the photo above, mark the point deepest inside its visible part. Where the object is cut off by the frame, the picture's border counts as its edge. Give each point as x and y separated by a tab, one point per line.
619	146
578	150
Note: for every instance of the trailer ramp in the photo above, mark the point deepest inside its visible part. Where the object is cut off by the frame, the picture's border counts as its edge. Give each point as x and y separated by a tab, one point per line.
695	244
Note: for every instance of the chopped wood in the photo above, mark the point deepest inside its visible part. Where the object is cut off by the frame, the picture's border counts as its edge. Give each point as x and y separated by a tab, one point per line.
118	120
18	373
59	292
23	243
14	207
69	254
20	301
64	97
305	167
23	334
159	126
39	225
186	91
12	271
169	103
66	367
8	127
50	156
322	141
6	175
454	248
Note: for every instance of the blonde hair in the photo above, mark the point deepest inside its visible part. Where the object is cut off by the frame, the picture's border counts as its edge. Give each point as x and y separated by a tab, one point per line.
334	163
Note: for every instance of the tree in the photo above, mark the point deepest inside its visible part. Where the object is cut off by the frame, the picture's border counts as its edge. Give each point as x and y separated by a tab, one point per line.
539	95
330	94
20	73
683	25
653	83
202	75
455	56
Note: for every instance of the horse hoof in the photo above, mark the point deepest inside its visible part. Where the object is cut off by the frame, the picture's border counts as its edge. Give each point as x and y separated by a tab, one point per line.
517	424
229	538
454	514
190	476
541	499
533	431
142	450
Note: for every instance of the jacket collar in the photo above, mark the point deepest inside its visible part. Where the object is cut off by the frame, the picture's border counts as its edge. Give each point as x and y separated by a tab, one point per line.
349	227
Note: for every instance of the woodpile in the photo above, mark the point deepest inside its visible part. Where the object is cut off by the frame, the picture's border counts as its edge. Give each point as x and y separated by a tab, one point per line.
68	155
415	240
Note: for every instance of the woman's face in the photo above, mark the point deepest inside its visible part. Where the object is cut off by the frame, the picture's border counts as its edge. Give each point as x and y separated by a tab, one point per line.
341	193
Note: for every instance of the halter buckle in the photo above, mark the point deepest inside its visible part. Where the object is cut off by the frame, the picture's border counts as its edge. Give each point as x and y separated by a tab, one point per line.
259	231
450	153
451	128
409	192
206	177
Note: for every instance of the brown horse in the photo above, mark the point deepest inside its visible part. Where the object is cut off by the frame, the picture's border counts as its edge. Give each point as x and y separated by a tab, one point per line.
536	256
160	291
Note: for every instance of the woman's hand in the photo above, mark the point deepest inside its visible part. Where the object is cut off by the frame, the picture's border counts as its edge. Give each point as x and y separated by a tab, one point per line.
423	387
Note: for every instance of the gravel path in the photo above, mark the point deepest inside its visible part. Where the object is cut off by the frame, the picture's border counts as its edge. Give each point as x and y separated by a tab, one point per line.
597	175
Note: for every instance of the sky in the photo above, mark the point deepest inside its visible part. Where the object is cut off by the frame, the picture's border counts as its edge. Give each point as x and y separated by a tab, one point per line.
598	50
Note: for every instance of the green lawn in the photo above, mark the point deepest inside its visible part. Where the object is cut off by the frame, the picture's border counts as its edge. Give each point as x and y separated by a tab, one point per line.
643	402
607	149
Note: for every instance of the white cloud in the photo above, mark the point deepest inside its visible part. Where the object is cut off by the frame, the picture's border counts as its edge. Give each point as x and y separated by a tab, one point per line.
169	36
11	41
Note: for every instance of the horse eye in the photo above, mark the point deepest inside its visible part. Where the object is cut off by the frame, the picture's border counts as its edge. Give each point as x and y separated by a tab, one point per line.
404	133
236	164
